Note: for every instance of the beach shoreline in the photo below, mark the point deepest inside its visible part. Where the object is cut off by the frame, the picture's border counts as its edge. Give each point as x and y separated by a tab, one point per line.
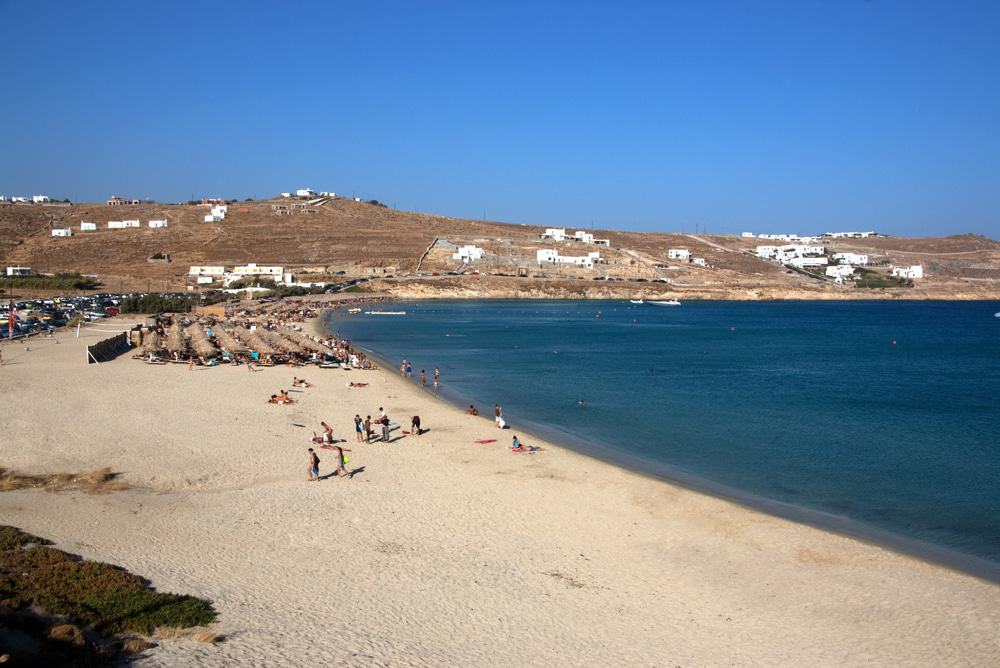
439	550
939	555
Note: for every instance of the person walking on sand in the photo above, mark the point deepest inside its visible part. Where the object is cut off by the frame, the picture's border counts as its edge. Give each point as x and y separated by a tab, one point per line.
359	427
368	429
313	465
409	370
498	416
437	377
342	461
423	378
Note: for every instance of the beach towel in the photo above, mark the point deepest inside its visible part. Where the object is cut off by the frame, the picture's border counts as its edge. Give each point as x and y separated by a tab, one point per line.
485	441
529	449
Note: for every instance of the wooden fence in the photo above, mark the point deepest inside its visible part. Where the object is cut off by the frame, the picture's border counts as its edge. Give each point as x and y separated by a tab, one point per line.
108	349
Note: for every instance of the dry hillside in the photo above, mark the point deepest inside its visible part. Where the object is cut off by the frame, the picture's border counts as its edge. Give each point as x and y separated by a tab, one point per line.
360	238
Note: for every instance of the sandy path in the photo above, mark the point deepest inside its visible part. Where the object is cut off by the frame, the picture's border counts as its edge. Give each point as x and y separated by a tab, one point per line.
440	551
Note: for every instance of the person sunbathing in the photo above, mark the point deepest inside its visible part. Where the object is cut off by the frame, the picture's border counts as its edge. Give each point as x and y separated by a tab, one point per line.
274	399
300	382
353	384
472	410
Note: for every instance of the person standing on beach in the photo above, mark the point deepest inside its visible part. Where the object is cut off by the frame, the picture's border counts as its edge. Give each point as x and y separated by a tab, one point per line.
385	428
423	378
313	465
409	370
368	429
359	426
437	377
402	369
498	415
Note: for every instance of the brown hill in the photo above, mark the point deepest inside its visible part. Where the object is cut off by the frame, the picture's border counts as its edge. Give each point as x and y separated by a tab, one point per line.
361	238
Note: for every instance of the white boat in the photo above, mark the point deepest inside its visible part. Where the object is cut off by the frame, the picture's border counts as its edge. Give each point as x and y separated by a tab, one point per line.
637	301
354	310
385	312
669	302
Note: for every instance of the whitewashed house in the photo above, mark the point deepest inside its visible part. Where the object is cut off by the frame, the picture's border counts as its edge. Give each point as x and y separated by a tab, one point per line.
585	237
4	198
851	258
21	200
682	254
205	280
40	199
116	225
602	242
767	252
19	271
327	193
212	218
468	253
286	194
554	233
157	224
62	232
88	227
802	262
548	255
252	269
207	271
747	235
131	223
915	271
700	261
304	192
839	272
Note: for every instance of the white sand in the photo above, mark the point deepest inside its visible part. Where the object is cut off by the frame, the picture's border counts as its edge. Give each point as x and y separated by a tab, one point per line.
440	551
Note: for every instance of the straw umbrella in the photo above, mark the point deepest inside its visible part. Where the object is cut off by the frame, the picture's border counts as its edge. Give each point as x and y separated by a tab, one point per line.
199	341
175	339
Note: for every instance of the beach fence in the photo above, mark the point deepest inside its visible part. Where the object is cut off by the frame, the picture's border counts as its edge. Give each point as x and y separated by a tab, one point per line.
108	349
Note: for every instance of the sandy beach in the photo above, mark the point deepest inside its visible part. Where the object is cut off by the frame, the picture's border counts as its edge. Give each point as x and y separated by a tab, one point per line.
438	550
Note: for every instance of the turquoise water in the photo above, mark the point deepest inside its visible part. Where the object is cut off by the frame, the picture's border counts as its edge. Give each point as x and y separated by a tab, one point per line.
795	406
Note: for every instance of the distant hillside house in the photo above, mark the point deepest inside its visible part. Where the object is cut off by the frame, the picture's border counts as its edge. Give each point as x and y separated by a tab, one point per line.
747	235
554	233
839	272
679	254
207	271
131	223
326	193
915	271
116	225
802	262
19	271
212	200
304	192
468	253
157	224
286	194
40	199
851	258
62	232
88	227
118	201
585	237
252	269
21	200
700	261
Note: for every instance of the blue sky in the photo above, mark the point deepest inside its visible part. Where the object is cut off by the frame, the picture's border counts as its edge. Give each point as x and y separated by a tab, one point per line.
801	116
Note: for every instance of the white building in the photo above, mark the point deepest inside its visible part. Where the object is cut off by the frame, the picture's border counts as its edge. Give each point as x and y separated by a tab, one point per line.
88	227
115	225
286	194
851	258
679	254
40	199
327	193
468	253
602	242
554	233
585	237
252	269
839	272
4	198
19	271
62	232
849	235
802	262
205	280
547	255
747	235
915	271
700	261
207	271
22	200
304	192
155	224
212	218
131	223
220	210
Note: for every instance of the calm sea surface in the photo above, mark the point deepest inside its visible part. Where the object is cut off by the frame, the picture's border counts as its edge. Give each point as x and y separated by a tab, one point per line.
875	414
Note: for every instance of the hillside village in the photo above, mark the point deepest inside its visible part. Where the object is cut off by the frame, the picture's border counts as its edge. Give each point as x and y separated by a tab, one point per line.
309	239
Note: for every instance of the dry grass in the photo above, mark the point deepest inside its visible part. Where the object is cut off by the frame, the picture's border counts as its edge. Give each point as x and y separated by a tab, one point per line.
101	481
209	637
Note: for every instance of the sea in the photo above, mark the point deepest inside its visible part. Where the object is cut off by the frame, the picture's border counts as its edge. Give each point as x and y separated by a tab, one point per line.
879	419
